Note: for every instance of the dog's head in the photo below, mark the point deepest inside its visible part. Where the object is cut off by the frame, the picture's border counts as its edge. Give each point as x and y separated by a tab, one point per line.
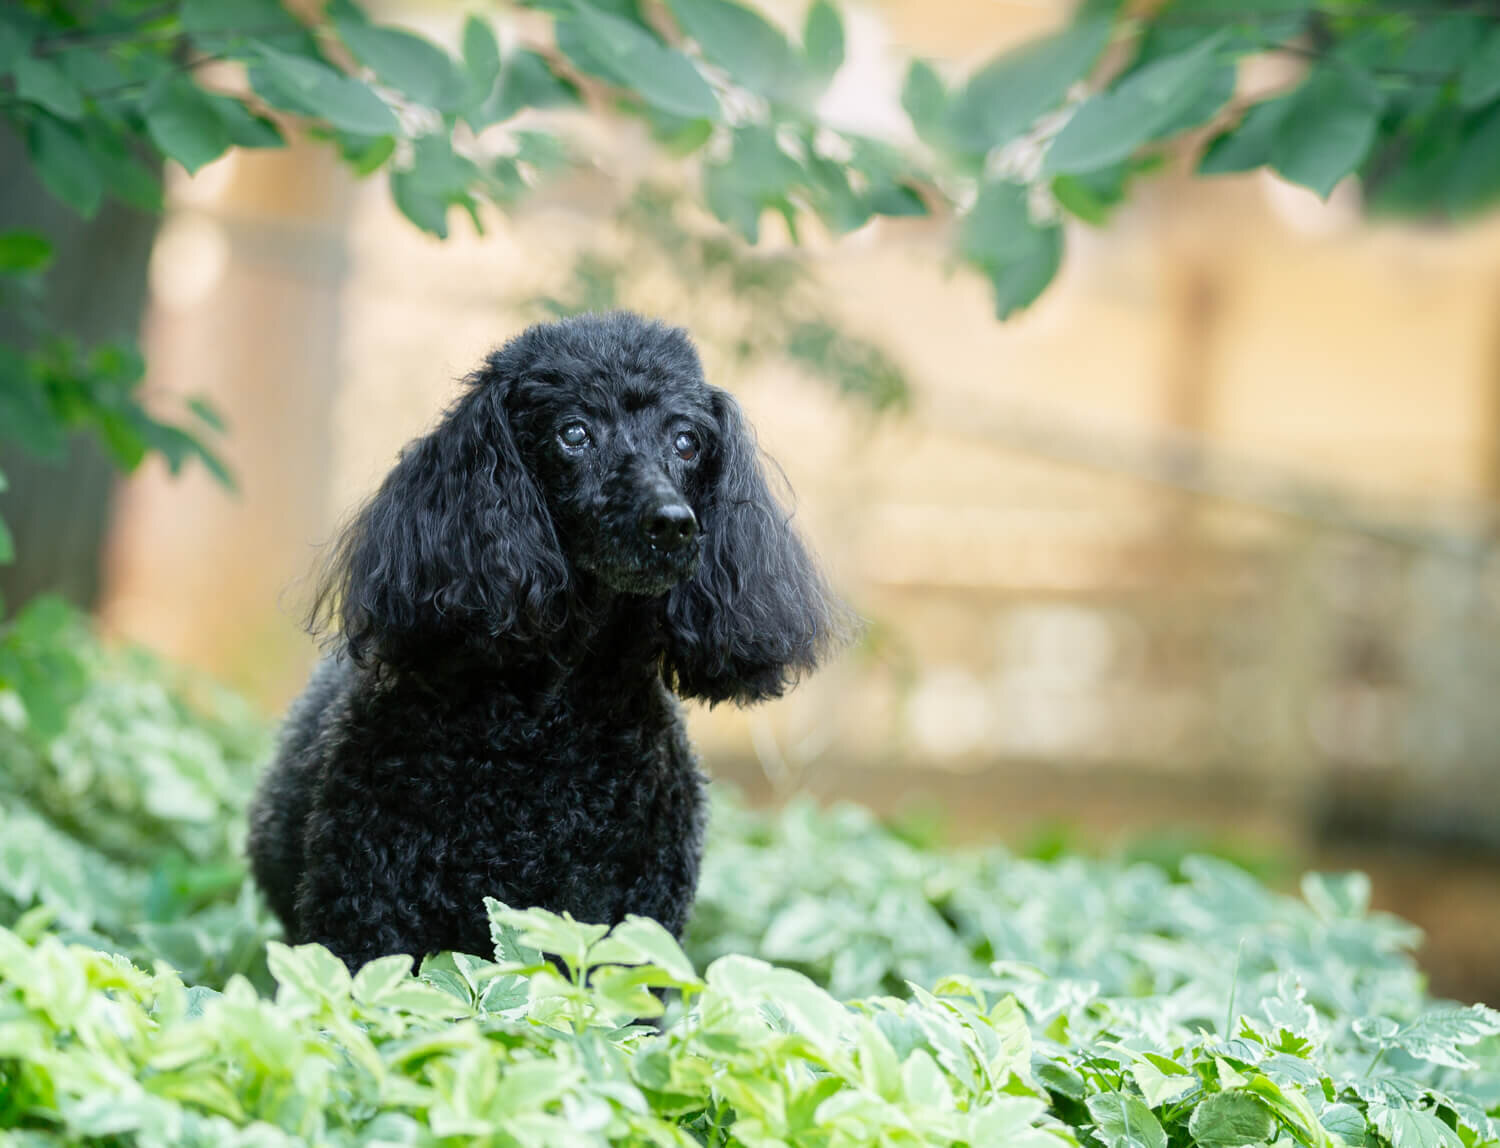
588	452
614	424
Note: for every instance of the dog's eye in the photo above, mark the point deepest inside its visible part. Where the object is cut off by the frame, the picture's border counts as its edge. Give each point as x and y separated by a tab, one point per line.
686	446
574	435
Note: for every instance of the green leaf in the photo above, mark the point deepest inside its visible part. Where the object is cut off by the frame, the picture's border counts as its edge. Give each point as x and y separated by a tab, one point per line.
313	89
925	100
421	999
185	124
42	82
1247	145
526	81
1479	83
1118	1115
441	971
1328	128
1019	256
1436	1035
1474	183
834	198
1412	1128
308	971
677	136
1291	1105
626	992
757	175
421	71
555	933
481	60
1337	896
1344	1121
510	950
13	46
365	154
92	72
419	203
895	200
1253	25
240	27
1443	45
1230	1119
808	1008
126	177
64	164
1006	97
1159	1087
26	416
437	179
744	44
1202	103
627	54
1412	172
823	39
1090	195
641	940
23	252
1109	126
47	678
7	542
245	128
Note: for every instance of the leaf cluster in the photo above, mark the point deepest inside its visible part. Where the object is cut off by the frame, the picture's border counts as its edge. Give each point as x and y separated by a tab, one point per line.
56	389
774	308
520	1050
1406	96
839	985
123	785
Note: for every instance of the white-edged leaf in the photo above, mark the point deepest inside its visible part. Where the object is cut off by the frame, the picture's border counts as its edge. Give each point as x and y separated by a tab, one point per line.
1120	1115
1230	1119
1412	1128
380	976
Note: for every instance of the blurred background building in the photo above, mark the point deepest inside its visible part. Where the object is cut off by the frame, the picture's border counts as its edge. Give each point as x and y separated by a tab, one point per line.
1200	547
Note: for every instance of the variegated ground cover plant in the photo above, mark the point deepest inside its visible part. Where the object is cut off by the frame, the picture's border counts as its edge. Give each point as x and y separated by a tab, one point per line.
839	985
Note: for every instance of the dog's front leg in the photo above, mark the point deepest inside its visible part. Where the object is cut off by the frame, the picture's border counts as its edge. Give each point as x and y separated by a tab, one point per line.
667	882
365	890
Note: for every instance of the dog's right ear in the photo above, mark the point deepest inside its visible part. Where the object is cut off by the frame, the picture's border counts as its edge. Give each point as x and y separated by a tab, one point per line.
456	546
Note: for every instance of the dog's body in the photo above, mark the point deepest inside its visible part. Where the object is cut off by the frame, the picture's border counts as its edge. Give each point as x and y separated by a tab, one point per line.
587	526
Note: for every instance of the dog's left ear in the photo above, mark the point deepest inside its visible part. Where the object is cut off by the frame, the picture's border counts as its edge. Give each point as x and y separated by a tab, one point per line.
758	613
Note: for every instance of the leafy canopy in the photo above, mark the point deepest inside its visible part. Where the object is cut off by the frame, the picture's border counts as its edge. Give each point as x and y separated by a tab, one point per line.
1406	96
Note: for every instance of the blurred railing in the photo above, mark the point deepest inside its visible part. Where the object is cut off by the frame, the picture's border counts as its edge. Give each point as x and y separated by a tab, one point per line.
1248	625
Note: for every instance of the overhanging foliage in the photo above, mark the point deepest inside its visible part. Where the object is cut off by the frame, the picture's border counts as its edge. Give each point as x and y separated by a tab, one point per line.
1404	93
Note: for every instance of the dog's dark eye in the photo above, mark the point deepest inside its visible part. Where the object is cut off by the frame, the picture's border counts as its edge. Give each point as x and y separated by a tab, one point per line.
574	435
686	446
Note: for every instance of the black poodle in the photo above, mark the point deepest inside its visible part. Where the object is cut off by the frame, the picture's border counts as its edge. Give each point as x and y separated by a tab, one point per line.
588	526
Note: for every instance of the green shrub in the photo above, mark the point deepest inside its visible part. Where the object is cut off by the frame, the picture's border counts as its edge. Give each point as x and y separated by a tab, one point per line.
517	1052
839	985
123	783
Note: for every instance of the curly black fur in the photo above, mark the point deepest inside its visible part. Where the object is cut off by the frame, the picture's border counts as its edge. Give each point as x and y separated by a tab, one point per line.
495	716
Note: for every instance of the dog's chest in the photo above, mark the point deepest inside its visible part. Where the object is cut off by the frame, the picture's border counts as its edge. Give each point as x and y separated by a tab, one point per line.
510	775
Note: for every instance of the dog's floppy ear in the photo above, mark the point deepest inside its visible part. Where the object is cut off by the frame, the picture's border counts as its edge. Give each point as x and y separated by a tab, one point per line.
456	547
758	613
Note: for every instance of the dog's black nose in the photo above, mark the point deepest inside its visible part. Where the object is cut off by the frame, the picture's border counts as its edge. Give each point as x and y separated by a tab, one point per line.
670	526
